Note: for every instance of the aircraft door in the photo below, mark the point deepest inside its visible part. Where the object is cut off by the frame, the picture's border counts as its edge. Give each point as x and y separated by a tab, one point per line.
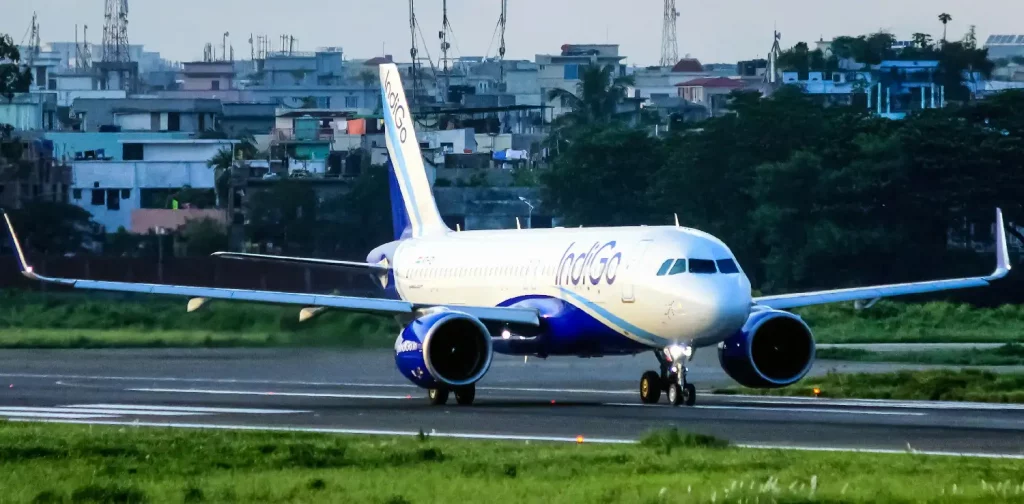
633	266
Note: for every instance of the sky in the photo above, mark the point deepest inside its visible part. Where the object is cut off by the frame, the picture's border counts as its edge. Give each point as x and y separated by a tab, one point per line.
713	31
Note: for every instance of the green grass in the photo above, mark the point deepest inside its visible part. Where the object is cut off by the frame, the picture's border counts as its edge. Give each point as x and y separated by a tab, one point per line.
1007	355
937	385
53	463
73	320
893	322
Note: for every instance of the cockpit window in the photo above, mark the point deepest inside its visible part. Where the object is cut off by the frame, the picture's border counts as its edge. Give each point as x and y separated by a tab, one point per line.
679	267
702	266
727	266
664	267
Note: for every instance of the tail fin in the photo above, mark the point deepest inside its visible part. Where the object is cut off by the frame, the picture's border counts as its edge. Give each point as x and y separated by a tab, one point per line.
404	150
399	214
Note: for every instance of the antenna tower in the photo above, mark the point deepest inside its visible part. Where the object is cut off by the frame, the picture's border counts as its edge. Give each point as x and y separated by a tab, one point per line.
669	41
34	42
115	32
445	46
503	22
413	51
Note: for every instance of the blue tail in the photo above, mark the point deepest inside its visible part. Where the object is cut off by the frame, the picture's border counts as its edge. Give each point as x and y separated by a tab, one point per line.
399	215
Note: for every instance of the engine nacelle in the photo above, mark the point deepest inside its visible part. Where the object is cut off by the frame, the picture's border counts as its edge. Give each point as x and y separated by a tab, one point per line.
773	349
444	349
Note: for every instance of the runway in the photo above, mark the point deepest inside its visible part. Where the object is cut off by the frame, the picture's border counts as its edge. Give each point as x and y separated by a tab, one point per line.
360	392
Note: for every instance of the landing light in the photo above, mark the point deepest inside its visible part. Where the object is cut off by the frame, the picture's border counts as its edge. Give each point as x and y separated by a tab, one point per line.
679	351
505	334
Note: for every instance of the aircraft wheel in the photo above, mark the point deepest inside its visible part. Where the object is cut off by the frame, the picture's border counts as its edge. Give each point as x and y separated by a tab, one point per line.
675	394
650	387
689	394
465	395
438	396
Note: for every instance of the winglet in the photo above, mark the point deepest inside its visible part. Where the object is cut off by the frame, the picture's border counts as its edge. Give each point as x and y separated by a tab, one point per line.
19	253
1002	252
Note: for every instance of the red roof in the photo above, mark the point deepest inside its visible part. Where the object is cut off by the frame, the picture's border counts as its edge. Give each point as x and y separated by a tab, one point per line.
712	82
688	65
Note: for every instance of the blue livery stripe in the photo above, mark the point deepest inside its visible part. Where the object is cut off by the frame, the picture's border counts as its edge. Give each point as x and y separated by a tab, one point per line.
621	324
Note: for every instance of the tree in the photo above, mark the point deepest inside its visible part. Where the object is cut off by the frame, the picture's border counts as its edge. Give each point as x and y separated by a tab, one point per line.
354	223
13	79
284	215
203	237
922	40
598	94
55	228
224	159
944	18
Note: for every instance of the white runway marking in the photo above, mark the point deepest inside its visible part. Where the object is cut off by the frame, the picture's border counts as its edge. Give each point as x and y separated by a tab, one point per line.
262	393
11	415
76	410
567	439
784	409
880	403
146	409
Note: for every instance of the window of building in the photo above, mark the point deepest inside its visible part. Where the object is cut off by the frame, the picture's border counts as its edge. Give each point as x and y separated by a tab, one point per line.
727	266
173	121
325	102
571	72
702	266
126	193
113	199
215	85
131	152
51	84
678	267
664	267
98	197
202	122
351	102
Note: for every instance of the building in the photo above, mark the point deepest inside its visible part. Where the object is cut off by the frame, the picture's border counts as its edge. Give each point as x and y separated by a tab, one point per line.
1005	46
320	79
248	118
34	175
148	114
68	146
151	172
710	92
661	82
30	112
562	71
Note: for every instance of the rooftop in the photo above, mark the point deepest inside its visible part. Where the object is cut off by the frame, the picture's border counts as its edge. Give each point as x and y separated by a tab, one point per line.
713	82
190	141
688	65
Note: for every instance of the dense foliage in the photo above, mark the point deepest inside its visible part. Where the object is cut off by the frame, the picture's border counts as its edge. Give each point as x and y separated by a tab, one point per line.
808	195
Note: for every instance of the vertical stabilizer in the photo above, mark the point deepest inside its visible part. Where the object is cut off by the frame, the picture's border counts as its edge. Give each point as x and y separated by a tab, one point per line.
404	151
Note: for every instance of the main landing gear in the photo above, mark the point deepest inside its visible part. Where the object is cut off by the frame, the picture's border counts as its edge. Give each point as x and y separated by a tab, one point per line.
464	396
671	379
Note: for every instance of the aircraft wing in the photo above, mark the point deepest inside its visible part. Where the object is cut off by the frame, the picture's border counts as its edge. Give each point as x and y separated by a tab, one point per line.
307	261
358	304
786	301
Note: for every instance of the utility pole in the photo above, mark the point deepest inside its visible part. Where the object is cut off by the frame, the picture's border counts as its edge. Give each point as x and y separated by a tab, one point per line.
669	40
224	47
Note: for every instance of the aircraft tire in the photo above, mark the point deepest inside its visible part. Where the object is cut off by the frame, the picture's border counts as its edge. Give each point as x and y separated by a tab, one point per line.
438	396
465	396
650	387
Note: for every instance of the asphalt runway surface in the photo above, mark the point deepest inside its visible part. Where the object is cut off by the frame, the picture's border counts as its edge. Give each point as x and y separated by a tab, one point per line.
556	399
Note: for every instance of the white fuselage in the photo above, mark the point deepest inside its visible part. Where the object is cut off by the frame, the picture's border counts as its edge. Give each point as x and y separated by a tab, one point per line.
609	273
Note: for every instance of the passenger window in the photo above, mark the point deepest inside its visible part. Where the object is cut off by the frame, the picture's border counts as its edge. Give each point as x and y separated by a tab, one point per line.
664	267
702	266
727	266
679	267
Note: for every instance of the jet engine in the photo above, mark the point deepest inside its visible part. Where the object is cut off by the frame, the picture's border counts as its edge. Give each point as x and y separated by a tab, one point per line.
444	349
773	349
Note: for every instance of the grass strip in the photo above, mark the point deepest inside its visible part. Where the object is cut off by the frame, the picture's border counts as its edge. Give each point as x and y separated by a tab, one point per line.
50	463
1007	355
934	385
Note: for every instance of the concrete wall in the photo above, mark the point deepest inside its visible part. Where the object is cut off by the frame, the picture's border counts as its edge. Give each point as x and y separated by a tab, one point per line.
145	219
65	144
23	116
488	208
140	175
187	151
136	122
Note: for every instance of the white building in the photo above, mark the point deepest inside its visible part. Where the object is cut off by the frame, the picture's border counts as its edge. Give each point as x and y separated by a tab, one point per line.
562	71
151	172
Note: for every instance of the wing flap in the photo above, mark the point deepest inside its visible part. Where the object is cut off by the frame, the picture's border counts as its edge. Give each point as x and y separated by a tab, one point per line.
307	261
787	301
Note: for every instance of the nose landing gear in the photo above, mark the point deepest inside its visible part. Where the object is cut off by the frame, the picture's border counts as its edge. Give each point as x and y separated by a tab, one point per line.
671	379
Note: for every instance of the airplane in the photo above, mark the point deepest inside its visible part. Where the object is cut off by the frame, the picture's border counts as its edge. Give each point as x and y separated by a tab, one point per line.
462	296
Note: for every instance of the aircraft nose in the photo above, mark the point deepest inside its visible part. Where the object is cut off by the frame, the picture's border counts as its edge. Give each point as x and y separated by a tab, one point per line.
721	309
